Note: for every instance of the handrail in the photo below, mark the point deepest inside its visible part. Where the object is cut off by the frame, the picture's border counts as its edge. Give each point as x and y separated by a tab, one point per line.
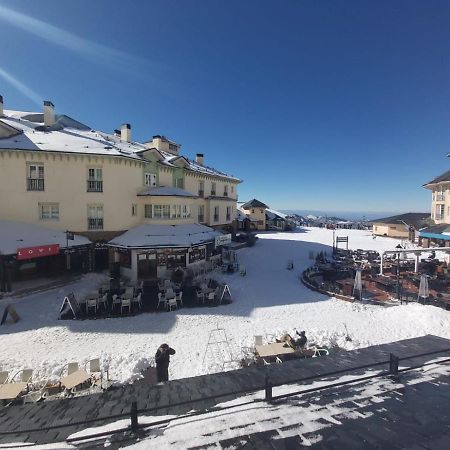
235	392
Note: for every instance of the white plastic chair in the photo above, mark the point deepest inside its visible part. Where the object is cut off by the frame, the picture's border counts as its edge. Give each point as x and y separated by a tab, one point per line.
91	303
103	301
200	296
117	301
4	377
179	297
72	367
172	304
161	300
138	300
126	303
26	375
95	371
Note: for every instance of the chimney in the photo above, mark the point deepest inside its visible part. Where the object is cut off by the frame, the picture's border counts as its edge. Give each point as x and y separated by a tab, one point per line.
49	113
1	106
125	132
199	159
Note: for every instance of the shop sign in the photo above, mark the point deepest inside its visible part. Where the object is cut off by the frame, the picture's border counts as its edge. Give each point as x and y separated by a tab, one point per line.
37	252
224	239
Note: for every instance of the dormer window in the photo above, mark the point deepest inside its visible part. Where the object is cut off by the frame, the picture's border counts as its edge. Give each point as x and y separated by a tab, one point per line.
150	179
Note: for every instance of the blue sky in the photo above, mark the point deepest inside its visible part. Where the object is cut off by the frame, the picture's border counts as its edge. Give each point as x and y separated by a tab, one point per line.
325	105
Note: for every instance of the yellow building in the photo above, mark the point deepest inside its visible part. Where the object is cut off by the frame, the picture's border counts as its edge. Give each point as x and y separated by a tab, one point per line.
58	173
403	226
440	198
256	213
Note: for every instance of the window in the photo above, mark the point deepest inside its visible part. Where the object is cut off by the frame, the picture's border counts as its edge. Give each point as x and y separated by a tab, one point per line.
150	179
161	212
225	190
201	213
173	147
48	211
95	179
186	213
148	211
440	194
216	213
228	213
232	189
213	188
440	212
176	211
179	183
253	211
201	188
35	177
95	217
134	209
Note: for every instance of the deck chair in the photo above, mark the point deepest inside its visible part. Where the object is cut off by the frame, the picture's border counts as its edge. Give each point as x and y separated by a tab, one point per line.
125	303
72	367
26	375
172	304
4	377
95	371
179	297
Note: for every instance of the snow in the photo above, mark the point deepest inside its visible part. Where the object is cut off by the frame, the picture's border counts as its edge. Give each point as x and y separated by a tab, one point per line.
183	235
14	235
269	301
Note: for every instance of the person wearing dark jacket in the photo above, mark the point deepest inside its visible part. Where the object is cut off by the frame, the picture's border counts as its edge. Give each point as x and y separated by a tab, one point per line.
162	359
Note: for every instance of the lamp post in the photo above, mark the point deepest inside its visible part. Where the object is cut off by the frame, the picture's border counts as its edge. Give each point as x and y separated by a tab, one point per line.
334	232
398	274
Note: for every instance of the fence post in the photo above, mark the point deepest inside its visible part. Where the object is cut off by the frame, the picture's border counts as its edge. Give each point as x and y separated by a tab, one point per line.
134	416
268	389
393	365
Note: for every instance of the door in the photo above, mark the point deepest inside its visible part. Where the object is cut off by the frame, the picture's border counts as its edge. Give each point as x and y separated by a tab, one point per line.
147	267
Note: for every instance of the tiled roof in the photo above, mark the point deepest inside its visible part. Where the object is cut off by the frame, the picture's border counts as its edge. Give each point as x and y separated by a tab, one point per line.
444	177
416	220
254	204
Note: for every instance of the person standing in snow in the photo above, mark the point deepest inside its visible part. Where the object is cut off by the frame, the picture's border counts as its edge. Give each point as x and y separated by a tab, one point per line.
162	358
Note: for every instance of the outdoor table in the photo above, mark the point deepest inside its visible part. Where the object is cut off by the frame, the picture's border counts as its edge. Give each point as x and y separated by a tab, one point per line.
274	349
10	391
74	379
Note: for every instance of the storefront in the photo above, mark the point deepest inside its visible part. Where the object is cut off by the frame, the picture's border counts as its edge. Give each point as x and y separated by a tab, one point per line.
155	251
29	251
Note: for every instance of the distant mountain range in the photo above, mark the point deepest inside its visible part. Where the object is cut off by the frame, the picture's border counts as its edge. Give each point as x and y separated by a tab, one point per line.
342	215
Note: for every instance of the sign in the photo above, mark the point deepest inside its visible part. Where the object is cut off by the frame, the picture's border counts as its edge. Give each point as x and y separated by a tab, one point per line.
70	236
70	304
9	309
224	239
37	252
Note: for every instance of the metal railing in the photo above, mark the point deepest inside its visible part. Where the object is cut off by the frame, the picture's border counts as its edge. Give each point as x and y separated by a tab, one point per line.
95	224
225	193
94	185
439	217
440	197
35	184
213	193
268	386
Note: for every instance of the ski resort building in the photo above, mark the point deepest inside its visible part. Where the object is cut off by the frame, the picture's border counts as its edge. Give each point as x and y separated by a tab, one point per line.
60	174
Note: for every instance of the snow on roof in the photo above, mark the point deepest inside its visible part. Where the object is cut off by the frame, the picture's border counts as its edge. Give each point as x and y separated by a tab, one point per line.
184	235
165	192
14	235
254	204
67	135
271	213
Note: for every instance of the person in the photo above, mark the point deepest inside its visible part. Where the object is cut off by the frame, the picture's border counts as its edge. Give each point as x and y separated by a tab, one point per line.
162	359
301	342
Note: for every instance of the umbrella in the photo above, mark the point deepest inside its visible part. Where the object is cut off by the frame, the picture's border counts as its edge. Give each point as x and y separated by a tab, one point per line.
423	288
357	286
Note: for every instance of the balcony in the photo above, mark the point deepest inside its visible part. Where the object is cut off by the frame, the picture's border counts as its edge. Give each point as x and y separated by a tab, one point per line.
201	193
216	218
35	184
225	193
94	185
201	218
440	197
439	217
95	224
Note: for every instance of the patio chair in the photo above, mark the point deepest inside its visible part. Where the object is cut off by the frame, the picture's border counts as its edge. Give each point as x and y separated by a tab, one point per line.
103	301
172	304
117	301
200	296
170	292
4	377
95	371
26	375
212	295
72	367
35	396
161	300
179	297
137	300
167	284
125	303
91	304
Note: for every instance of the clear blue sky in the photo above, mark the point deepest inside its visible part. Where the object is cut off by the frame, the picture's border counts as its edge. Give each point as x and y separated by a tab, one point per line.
338	105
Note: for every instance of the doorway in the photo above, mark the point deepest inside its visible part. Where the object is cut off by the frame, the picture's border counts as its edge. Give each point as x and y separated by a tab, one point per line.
147	266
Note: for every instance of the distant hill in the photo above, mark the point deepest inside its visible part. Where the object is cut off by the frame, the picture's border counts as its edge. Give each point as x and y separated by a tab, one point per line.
340	215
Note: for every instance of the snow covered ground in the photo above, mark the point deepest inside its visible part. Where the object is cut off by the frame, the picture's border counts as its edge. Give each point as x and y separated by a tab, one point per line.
269	301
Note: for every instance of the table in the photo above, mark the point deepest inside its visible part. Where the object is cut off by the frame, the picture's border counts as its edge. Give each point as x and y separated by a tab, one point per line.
10	391
75	379
274	349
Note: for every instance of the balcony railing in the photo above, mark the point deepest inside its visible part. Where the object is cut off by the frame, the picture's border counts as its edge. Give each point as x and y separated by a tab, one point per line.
201	193
225	193
213	193
201	218
440	197
94	185
35	184
95	224
439	217
216	218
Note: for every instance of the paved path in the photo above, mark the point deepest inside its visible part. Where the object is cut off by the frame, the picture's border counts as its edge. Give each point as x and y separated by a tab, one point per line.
222	387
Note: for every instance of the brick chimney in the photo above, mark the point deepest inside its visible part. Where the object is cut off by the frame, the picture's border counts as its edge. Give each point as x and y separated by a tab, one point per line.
125	132
49	113
1	106
199	159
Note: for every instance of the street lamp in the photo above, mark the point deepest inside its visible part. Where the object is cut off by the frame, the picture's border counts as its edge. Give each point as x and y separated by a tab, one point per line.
398	274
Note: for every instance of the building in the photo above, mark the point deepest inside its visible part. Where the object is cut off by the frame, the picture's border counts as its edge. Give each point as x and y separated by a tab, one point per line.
438	233
59	173
403	226
276	220
256	214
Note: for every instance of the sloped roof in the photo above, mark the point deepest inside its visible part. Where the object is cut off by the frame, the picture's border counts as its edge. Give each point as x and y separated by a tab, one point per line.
442	228
254	204
14	235
273	214
154	236
165	192
416	220
441	178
